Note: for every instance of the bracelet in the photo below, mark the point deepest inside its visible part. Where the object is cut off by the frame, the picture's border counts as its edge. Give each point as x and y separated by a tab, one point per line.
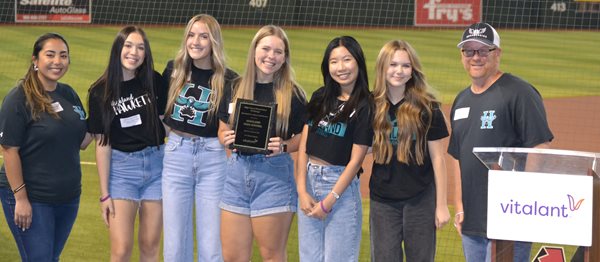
323	208
335	195
459	213
16	190
102	199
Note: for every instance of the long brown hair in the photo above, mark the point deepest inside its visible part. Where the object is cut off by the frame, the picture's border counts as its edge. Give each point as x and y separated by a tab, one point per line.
110	82
413	116
182	65
36	97
284	84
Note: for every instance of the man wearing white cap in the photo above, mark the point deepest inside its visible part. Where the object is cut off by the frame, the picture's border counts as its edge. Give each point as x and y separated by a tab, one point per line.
497	110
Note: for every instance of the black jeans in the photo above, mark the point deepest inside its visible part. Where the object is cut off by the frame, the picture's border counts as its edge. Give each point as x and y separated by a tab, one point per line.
411	222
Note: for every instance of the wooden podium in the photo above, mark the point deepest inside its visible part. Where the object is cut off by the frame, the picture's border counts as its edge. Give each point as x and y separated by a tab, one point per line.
545	180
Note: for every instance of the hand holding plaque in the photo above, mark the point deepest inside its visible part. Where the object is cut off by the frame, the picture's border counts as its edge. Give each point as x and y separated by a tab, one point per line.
253	124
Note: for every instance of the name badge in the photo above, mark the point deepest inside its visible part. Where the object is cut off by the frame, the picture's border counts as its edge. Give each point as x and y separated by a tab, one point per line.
461	113
57	107
231	107
134	120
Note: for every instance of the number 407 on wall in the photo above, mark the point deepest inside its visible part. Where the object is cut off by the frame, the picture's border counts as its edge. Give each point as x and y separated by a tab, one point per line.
558	7
258	3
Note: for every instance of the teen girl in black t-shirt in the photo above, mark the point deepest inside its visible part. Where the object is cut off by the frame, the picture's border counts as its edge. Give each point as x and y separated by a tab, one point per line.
193	176
408	179
126	104
259	198
334	143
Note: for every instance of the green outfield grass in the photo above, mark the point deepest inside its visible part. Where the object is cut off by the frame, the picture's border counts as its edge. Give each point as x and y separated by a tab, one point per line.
558	63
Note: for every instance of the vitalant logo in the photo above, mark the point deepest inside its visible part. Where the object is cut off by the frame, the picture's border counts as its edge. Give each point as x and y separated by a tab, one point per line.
542	209
487	118
572	205
480	32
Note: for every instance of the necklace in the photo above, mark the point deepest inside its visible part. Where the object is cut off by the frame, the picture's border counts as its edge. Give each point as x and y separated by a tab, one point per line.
325	121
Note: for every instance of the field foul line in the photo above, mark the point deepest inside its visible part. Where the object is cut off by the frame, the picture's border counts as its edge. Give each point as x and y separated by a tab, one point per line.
82	162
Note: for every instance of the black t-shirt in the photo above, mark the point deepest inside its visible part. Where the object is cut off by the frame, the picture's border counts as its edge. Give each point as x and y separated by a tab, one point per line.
130	129
510	113
400	181
332	142
264	93
48	147
191	108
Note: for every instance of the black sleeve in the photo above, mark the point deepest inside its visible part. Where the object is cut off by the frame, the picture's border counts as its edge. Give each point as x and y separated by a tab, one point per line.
166	74
438	128
363	131
531	124
453	144
315	101
298	115
161	90
14	118
230	75
94	121
223	113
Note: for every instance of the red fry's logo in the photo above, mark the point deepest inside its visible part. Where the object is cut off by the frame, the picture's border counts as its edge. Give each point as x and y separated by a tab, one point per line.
550	254
572	205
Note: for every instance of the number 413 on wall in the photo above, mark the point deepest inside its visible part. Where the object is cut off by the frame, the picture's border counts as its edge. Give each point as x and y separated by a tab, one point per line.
558	7
258	3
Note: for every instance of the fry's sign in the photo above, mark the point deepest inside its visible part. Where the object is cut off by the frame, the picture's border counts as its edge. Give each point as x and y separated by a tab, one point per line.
447	12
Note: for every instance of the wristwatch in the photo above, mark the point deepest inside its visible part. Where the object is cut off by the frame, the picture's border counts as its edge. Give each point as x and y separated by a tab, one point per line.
335	195
283	147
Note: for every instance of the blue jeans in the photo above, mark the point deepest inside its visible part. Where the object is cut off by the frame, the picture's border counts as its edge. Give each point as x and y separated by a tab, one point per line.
192	178
50	227
257	185
337	237
404	228
478	249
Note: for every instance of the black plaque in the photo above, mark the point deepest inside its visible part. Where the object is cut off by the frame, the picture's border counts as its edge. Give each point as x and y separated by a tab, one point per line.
253	124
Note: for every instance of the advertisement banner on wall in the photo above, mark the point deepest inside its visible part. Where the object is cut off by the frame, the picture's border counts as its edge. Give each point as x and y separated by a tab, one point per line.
540	207
53	11
447	12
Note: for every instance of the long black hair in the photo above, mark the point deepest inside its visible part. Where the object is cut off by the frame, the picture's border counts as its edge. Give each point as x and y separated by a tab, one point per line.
320	106
110	81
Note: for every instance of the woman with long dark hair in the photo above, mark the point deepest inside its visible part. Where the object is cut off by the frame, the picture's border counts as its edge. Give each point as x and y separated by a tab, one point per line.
42	128
334	143
126	105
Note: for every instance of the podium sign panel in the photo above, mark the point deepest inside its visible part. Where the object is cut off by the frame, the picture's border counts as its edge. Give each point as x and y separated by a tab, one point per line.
540	207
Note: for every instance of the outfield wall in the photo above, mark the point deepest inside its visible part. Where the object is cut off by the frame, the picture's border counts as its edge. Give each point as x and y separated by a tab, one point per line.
519	14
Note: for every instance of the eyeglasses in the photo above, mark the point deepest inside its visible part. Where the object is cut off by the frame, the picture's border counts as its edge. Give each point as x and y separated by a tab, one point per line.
481	52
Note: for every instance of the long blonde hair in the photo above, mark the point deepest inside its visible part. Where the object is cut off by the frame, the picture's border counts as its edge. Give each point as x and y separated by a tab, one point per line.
182	65
284	84
36	96
413	116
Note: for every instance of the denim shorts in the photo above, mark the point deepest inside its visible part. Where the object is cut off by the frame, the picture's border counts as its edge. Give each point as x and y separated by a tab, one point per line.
136	175
257	185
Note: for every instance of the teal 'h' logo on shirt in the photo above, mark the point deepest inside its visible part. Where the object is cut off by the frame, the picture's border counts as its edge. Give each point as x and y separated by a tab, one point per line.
80	112
191	107
487	118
